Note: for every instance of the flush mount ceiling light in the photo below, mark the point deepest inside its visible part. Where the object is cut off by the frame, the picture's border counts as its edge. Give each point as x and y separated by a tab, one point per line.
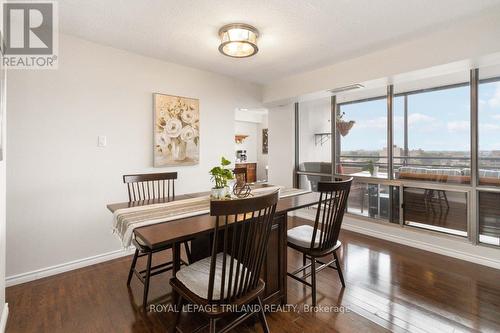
238	40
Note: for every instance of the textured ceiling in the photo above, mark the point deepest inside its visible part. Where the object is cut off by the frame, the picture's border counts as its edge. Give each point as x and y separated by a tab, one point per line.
297	35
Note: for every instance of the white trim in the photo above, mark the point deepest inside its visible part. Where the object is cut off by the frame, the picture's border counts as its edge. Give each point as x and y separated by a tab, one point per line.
5	316
61	268
387	232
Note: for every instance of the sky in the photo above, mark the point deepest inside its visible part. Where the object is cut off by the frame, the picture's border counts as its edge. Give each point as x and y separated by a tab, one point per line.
438	120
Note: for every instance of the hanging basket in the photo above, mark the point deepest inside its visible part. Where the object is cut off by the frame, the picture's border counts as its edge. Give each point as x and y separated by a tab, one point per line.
344	126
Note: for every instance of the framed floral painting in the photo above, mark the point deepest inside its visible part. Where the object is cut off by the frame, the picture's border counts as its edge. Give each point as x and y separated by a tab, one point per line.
176	130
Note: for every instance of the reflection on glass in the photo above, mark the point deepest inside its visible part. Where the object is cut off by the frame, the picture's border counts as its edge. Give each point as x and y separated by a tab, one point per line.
310	182
363	147
489	133
489	218
371	200
437	210
396	204
432	135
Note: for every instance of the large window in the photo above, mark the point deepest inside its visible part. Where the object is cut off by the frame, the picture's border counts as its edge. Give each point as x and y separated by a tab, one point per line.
489	218
361	133
432	135
432	181
363	149
489	132
436	209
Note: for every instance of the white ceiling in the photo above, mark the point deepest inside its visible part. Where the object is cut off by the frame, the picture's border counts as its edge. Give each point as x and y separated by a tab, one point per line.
297	35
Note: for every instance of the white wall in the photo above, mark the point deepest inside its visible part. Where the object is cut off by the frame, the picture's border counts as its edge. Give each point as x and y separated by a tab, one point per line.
281	145
59	181
3	207
468	40
314	118
250	143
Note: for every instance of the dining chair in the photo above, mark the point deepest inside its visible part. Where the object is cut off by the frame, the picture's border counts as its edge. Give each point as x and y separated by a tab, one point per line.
230	276
156	188
321	239
241	175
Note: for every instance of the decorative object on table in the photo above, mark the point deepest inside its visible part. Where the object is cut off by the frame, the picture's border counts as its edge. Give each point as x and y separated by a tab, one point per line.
176	130
343	126
220	175
240	138
265	141
371	168
242	190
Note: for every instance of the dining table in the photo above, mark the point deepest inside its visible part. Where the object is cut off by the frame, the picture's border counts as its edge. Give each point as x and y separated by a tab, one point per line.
199	229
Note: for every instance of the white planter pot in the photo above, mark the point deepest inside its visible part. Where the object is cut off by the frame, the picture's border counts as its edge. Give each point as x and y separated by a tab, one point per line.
220	193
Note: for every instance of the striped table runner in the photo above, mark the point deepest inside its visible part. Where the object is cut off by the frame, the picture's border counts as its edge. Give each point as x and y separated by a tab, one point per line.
127	219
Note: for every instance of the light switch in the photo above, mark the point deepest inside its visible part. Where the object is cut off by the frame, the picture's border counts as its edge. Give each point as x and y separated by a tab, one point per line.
101	141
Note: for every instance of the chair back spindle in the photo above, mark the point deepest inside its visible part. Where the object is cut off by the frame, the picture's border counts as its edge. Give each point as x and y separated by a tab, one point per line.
242	230
151	186
330	213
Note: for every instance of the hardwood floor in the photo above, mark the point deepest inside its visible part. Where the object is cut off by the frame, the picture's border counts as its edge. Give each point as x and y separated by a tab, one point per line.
389	287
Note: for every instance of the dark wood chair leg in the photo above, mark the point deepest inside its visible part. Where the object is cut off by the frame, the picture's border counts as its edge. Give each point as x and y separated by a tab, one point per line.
188	253
132	267
304	259
146	281
212	325
178	314
313	280
262	317
339	269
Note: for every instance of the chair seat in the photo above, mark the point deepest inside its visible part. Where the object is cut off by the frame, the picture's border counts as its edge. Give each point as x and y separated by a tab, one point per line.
302	235
195	277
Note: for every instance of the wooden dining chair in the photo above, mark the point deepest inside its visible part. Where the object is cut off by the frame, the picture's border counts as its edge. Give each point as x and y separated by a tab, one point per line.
240	174
230	277
156	188
321	240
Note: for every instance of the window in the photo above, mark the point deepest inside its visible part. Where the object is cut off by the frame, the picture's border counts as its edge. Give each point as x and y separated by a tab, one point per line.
489	130
374	200
362	136
431	143
432	135
437	210
489	218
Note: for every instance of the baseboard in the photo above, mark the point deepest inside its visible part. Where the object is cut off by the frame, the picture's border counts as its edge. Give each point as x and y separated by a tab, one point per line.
430	246
5	316
61	268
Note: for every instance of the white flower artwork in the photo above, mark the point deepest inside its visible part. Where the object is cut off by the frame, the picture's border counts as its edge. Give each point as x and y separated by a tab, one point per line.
176	130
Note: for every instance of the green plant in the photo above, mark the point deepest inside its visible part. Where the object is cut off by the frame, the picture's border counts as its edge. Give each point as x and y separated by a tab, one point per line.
370	167
221	174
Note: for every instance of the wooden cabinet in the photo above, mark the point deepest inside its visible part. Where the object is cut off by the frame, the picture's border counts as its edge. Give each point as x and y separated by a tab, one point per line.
251	171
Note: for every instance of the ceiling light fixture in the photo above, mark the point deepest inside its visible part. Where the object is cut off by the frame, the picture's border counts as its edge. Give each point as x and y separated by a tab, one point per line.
238	40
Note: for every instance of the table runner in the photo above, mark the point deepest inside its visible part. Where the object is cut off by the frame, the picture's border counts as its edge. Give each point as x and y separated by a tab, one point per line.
125	220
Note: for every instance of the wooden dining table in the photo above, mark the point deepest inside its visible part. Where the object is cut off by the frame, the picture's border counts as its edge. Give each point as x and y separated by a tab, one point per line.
199	229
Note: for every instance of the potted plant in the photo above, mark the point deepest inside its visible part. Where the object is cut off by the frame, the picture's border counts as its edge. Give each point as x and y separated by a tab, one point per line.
220	175
371	168
343	126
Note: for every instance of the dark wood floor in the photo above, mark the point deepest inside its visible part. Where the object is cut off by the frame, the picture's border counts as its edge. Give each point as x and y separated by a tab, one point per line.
389	287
